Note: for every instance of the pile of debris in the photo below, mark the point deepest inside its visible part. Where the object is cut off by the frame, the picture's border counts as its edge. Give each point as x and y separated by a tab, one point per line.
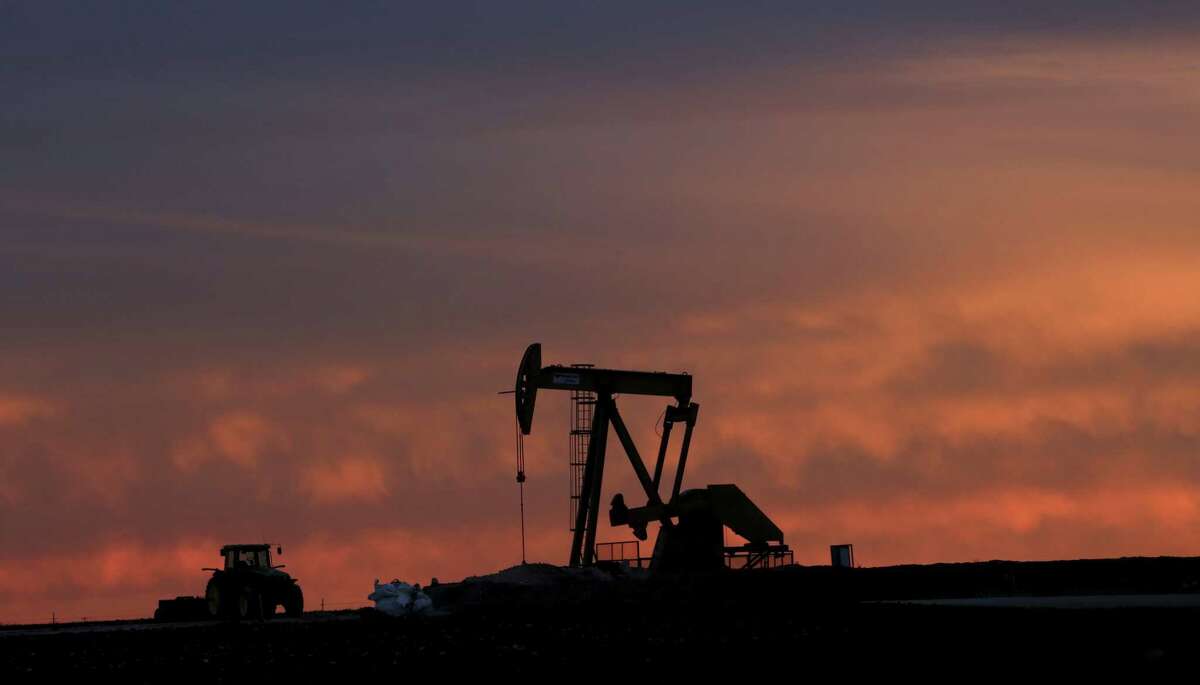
527	584
398	598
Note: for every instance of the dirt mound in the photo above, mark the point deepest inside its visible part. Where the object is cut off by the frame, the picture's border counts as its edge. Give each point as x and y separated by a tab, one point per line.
527	584
543	575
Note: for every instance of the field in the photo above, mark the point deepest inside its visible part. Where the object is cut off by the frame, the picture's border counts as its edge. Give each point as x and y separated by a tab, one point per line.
778	625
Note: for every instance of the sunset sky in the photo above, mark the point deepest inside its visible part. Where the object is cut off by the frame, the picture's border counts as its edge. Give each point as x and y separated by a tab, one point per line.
934	265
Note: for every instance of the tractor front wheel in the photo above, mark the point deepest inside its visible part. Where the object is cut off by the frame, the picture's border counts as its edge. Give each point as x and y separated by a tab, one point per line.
249	605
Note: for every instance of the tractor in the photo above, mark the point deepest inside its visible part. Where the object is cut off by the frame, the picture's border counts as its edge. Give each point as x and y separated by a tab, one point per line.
249	587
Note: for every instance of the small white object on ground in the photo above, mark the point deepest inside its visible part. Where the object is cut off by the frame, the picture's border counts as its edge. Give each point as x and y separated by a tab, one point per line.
400	599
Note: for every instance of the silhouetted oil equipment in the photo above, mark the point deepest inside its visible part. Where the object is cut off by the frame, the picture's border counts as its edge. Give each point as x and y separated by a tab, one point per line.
691	536
841	556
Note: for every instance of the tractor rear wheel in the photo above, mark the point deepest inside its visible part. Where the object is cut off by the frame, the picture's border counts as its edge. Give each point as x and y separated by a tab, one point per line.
218	602
293	604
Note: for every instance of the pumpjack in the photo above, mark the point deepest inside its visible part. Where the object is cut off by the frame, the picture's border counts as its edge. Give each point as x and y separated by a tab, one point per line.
691	531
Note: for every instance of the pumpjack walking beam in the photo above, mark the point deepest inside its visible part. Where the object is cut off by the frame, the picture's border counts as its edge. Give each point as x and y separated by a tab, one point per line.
606	383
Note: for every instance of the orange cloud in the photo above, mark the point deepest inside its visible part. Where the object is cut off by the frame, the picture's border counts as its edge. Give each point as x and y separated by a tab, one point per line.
340	379
219	384
345	479
16	410
123	579
241	437
913	528
437	437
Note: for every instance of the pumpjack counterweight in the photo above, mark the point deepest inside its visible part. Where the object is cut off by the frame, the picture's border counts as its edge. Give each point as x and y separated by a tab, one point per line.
691	522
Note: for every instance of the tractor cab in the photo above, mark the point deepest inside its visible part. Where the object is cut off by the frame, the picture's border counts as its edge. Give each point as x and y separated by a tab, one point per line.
246	557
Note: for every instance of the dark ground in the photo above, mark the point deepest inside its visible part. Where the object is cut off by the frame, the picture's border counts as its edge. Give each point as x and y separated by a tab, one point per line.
786	624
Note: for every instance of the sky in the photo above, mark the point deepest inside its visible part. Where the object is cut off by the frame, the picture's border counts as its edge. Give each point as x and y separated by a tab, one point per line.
265	266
